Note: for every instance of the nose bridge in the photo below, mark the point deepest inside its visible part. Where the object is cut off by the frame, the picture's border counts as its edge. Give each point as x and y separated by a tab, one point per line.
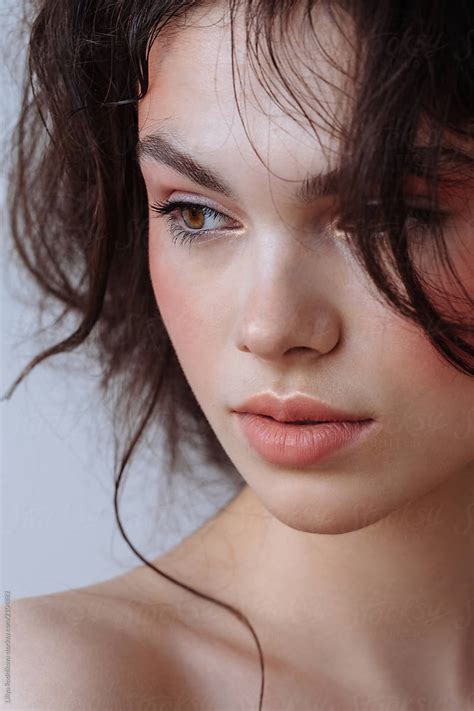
279	273
284	301
282	266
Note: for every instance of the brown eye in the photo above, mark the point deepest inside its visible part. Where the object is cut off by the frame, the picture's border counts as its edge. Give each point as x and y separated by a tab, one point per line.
193	217
187	220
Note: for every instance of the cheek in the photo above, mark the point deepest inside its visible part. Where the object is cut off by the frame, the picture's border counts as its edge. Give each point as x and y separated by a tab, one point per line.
416	360
433	402
176	304
415	365
186	316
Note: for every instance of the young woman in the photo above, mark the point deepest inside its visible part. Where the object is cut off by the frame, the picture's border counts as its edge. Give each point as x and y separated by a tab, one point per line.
262	214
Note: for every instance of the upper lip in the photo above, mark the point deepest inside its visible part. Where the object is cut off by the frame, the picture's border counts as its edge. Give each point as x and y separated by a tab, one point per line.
295	408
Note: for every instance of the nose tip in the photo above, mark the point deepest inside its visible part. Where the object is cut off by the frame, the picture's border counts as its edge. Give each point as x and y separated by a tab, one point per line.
278	343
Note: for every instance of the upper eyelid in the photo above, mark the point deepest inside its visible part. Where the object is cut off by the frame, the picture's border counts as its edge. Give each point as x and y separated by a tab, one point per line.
178	203
204	202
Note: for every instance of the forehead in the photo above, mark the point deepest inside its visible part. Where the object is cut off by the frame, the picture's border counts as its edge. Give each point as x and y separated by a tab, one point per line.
194	95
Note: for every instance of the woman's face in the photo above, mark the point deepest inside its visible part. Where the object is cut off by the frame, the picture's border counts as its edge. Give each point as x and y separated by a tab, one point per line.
272	300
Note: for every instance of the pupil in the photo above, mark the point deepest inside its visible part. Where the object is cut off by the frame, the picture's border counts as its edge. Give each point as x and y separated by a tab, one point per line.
196	215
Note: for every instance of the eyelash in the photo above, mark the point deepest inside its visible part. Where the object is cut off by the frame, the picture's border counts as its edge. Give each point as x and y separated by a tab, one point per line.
425	217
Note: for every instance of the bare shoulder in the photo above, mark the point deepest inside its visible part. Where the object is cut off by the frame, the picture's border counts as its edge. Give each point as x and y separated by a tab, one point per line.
136	642
114	645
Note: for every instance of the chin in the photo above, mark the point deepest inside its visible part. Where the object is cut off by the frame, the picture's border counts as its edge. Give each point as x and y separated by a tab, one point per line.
329	525
329	514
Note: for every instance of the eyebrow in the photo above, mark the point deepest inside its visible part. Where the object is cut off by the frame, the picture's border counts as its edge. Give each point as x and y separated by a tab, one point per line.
161	149
158	147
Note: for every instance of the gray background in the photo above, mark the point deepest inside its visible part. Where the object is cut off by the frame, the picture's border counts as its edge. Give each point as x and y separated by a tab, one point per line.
58	529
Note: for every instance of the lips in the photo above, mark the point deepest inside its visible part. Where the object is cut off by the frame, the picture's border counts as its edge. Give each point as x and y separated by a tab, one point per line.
291	445
297	409
296	422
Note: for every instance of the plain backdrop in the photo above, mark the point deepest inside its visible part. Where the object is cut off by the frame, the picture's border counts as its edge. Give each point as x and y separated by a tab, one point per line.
58	529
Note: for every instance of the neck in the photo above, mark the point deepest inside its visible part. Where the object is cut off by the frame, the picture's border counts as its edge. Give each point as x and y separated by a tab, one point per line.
392	602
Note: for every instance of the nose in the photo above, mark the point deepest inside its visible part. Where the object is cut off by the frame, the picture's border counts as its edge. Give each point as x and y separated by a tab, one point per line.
287	306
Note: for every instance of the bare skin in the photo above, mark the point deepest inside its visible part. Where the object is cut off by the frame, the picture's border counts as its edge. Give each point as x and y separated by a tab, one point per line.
402	642
139	641
358	574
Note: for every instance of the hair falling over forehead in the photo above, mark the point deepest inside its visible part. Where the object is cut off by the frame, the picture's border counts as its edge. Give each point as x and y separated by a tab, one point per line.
78	205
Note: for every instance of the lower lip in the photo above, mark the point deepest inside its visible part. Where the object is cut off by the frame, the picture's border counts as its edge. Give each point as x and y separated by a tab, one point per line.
299	445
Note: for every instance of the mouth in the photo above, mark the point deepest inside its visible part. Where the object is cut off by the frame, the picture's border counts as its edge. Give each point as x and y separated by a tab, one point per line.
295	422
297	410
303	422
